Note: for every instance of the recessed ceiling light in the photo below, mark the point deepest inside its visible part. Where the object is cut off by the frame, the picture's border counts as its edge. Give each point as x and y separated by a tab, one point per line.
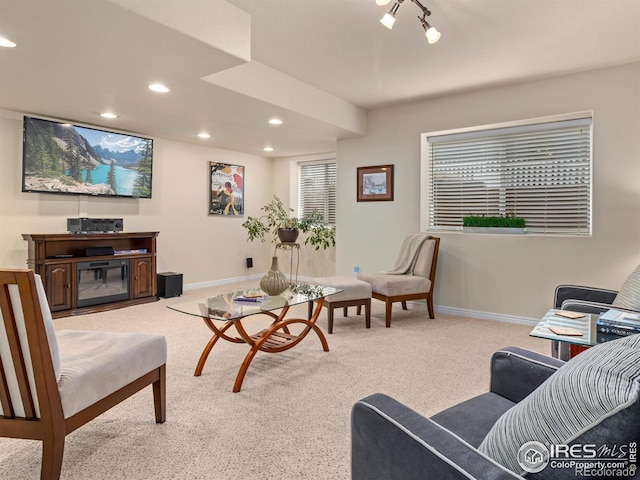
268	149
204	135
275	121
5	42
158	87
108	115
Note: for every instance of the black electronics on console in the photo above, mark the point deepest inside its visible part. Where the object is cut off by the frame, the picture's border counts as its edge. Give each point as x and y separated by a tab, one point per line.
98	251
94	225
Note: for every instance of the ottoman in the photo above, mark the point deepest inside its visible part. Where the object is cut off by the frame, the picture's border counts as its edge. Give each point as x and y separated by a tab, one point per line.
355	293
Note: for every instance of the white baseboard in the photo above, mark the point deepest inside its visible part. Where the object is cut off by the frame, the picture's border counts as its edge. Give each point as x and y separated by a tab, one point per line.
224	281
500	317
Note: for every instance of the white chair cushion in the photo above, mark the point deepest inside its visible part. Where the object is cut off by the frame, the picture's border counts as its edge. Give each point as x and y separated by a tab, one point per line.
11	378
352	288
95	364
48	325
392	285
424	261
12	381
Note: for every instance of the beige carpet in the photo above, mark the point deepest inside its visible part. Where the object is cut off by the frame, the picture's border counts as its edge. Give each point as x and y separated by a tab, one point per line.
291	419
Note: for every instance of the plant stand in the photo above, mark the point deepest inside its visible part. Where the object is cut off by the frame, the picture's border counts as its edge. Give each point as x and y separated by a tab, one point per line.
291	247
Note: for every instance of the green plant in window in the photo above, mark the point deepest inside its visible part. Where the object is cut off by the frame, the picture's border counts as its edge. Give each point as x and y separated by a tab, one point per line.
501	221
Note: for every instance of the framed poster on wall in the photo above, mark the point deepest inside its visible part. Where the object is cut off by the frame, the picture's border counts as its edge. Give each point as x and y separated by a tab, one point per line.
375	183
226	189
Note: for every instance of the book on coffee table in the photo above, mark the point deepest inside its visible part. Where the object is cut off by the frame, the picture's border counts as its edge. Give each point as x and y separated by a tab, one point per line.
568	314
567	331
253	296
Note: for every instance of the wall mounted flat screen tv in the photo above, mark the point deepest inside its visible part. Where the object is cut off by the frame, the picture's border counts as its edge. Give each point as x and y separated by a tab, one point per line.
60	157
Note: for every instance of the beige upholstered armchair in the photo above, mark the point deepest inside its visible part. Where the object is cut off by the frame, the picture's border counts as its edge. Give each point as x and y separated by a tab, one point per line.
412	278
52	382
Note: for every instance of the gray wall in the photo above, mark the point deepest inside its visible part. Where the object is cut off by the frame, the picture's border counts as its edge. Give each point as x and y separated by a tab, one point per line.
206	249
478	274
502	275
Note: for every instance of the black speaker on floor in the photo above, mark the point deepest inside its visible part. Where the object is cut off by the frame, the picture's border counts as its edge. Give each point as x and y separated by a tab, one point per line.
169	284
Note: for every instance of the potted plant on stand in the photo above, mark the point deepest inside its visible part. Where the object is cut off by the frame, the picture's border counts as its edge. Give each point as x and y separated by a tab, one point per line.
280	222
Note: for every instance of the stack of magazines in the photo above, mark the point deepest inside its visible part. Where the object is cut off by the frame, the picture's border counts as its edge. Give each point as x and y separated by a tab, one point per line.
252	296
614	324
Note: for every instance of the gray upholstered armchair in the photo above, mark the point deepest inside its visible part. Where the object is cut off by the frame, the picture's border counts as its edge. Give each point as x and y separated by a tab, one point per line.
577	298
587	400
593	300
582	299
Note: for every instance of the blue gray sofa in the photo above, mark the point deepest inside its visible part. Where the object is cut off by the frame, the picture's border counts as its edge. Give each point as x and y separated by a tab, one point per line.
593	399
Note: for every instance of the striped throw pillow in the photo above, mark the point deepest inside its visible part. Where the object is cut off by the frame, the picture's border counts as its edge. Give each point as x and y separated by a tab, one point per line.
592	387
629	295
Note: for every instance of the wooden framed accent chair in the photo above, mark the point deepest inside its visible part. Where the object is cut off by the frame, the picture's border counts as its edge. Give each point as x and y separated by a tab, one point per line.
534	403
52	382
412	278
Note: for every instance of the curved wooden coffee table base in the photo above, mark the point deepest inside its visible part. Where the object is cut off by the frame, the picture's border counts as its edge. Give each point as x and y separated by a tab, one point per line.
276	338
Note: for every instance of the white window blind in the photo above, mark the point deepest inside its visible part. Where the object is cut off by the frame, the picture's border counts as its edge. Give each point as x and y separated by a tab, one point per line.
317	189
541	172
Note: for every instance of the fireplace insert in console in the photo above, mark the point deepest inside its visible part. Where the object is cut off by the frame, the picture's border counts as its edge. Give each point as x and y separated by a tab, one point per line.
102	282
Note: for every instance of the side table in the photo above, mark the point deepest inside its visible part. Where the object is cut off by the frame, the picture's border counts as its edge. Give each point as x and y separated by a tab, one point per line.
586	325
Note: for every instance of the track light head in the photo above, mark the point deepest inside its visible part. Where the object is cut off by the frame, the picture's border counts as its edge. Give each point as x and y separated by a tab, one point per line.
432	34
389	19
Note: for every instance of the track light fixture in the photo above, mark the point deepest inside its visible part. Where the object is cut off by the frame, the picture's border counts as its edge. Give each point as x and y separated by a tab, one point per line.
389	19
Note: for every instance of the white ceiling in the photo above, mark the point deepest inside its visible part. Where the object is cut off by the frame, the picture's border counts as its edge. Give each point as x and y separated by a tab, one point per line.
317	64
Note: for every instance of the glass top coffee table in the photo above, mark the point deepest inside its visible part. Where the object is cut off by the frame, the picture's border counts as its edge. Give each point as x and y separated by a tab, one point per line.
221	312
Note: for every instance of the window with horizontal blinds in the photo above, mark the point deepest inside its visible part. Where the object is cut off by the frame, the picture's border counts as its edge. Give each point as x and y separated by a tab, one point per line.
317	189
540	171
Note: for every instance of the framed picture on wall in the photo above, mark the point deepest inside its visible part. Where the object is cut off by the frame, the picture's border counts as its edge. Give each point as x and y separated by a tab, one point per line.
226	189
375	183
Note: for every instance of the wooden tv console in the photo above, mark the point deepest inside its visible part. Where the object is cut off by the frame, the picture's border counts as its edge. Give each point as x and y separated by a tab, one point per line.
55	258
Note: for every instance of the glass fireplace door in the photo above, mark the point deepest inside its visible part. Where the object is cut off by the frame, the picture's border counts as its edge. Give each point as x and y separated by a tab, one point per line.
102	282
